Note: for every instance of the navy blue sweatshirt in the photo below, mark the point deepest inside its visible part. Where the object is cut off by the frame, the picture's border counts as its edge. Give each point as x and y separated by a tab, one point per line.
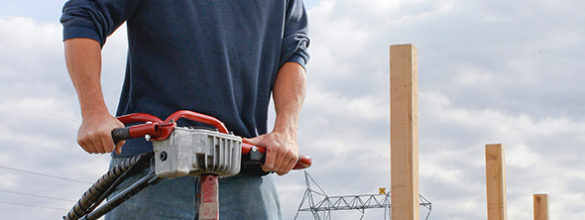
216	57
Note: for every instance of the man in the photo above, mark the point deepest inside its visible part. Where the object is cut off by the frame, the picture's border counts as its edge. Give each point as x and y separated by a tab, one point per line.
218	57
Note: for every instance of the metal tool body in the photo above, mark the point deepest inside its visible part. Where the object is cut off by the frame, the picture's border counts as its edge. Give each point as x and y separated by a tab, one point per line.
177	151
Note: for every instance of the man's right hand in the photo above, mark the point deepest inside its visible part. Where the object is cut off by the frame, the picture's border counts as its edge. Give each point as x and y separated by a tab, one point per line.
95	133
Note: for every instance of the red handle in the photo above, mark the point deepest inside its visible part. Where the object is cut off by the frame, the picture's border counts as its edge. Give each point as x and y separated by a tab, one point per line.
303	162
198	117
160	130
138	118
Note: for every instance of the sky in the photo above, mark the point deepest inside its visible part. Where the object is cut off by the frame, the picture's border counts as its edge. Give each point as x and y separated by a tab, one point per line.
508	72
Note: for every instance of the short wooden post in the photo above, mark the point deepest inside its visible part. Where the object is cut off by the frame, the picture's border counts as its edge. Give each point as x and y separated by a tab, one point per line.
540	206
496	182
404	132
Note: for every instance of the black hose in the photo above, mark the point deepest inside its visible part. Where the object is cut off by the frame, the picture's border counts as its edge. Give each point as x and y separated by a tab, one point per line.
98	188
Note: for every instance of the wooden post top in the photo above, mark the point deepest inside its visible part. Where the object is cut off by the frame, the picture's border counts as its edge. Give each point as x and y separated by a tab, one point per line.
540	203
495	182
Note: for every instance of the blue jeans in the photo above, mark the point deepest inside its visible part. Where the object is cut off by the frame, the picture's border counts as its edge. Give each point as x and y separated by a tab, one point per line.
240	197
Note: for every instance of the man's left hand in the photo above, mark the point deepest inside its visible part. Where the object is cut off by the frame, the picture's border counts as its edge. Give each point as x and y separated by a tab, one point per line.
282	151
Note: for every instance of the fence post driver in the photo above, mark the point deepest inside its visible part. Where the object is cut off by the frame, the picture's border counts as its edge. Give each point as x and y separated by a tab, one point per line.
177	151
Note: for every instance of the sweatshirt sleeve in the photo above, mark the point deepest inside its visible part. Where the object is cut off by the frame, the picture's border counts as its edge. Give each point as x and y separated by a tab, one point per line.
95	19
296	38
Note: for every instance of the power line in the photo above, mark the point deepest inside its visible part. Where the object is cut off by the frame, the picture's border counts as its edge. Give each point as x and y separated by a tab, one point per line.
53	116
36	195
45	175
30	205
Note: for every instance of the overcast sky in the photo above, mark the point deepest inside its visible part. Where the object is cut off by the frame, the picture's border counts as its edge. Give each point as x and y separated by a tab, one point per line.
509	72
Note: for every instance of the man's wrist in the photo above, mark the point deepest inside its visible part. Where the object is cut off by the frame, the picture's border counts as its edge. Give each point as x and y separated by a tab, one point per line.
93	111
287	129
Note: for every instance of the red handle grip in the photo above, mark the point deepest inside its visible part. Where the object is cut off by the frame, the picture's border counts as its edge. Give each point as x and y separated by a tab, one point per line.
135	131
303	162
160	130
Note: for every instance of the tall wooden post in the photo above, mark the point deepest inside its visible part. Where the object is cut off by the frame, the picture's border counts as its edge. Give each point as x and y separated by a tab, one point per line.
404	132
540	206
496	182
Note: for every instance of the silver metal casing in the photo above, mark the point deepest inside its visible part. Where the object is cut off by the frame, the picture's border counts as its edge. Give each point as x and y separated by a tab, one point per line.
197	151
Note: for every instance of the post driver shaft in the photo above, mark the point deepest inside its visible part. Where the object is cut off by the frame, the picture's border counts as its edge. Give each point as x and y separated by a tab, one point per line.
209	200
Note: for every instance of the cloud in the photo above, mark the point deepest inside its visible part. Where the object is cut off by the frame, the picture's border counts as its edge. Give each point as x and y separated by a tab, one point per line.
40	115
489	73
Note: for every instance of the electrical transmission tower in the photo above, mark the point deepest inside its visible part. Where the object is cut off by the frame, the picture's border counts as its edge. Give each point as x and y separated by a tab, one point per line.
320	204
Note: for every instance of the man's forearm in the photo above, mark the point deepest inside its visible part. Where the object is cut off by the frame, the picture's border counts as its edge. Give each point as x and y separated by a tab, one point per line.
282	150
289	94
83	57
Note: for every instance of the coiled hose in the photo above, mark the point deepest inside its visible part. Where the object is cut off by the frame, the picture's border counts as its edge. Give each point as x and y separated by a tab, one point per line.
97	190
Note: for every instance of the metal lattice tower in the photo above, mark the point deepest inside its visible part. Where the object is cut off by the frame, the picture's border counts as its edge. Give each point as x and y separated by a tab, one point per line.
320	204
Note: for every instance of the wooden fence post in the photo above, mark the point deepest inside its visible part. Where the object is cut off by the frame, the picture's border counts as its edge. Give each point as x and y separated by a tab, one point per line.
404	132
540	206
496	182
